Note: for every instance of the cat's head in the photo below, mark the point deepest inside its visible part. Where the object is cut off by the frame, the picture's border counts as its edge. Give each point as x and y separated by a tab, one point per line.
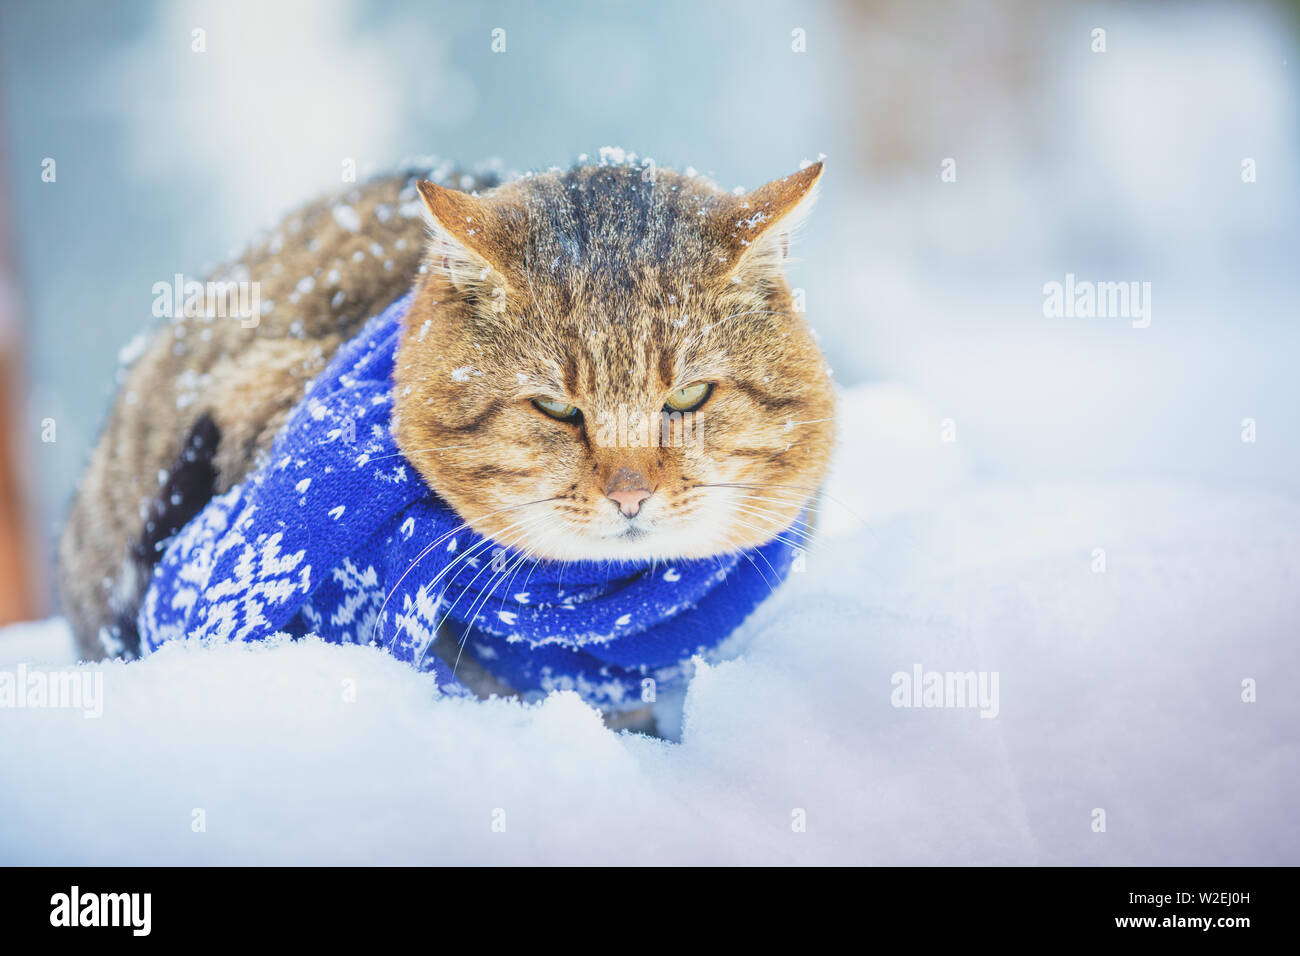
607	363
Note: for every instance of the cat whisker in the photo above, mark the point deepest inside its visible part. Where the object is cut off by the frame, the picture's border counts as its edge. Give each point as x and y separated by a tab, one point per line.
528	554
811	508
768	531
474	611
520	529
743	501
536	563
437	541
770	587
416	451
752	527
763	486
460	561
503	540
785	524
779	531
814	421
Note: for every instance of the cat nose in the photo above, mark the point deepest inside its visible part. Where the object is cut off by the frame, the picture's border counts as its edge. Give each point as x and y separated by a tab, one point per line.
627	489
629	502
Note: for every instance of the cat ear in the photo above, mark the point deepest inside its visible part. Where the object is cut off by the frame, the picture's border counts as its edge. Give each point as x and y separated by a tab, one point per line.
756	227
472	238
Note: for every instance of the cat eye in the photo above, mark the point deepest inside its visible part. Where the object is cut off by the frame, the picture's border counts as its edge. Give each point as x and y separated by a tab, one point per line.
689	398
557	410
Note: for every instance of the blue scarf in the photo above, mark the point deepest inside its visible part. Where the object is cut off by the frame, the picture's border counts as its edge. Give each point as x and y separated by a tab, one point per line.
338	535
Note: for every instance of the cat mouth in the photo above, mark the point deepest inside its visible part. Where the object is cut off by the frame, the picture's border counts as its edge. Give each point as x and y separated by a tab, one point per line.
637	539
631	531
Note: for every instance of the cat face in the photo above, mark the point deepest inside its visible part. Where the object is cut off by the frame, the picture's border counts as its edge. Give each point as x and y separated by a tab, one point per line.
598	366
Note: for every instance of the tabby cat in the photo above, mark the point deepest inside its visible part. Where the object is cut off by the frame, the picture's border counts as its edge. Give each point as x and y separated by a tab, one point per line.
554	316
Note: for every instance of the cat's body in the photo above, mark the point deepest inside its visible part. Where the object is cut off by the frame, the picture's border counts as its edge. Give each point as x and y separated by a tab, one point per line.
244	380
549	305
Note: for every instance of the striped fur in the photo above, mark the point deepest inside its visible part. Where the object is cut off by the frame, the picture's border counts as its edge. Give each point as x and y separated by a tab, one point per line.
598	285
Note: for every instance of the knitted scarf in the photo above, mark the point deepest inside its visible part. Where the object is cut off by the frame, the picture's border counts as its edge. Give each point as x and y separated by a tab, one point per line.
337	535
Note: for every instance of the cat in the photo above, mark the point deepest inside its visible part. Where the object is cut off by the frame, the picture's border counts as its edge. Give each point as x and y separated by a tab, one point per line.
616	342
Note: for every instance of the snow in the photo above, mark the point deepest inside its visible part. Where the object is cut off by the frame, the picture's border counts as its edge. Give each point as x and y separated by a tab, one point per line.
1119	690
347	218
133	349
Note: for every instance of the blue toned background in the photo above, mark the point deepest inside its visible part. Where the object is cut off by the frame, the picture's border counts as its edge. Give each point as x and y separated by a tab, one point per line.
1098	533
1115	166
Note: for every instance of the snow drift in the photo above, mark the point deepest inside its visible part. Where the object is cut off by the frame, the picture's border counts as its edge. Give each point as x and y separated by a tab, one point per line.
1146	686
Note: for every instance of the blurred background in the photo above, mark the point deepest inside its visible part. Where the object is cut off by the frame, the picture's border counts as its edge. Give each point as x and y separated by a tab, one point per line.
976	151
